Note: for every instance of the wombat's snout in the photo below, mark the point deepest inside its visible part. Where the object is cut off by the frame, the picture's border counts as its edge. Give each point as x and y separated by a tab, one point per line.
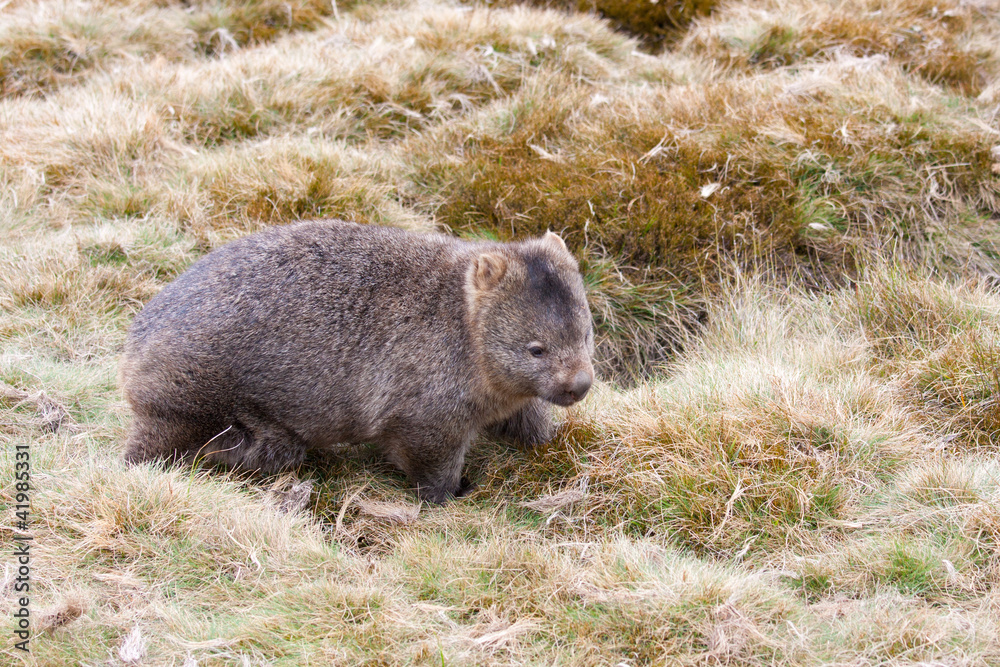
581	384
576	389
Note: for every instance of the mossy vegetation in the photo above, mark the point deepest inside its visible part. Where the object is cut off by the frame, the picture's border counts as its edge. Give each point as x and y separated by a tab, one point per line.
654	24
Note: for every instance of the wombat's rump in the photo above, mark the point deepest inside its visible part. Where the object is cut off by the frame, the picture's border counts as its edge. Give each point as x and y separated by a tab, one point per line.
323	333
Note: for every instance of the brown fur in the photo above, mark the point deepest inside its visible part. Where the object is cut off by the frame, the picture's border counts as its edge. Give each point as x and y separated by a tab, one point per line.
326	332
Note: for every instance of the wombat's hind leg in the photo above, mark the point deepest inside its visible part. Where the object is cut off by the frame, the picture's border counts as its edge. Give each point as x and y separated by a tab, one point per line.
162	439
252	444
531	425
246	444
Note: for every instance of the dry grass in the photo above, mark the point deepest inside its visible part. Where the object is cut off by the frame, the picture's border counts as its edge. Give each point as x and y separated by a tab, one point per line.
947	43
787	225
45	45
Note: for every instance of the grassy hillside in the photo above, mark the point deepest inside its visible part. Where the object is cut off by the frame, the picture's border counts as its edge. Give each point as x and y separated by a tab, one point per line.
788	217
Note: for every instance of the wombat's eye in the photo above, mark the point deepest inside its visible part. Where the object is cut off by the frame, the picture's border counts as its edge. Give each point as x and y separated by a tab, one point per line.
536	349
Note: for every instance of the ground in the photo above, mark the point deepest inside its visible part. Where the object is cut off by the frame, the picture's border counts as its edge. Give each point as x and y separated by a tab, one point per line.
786	213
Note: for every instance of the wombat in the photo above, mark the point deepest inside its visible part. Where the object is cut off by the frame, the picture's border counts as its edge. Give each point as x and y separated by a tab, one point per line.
323	333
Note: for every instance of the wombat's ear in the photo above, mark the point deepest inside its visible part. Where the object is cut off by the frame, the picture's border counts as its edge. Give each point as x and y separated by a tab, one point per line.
554	240
488	270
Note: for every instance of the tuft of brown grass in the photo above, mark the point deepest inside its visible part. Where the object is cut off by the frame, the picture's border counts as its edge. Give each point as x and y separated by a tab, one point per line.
945	43
941	339
226	26
61	614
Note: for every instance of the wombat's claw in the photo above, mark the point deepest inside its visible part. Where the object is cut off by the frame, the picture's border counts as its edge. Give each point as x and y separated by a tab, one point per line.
465	487
439	496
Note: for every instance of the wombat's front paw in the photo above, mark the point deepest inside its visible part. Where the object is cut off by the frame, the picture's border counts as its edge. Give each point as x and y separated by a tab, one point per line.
434	496
439	496
465	487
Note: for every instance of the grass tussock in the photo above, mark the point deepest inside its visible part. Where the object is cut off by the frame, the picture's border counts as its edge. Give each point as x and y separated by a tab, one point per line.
373	79
786	223
655	24
280	180
943	343
44	46
744	170
943	43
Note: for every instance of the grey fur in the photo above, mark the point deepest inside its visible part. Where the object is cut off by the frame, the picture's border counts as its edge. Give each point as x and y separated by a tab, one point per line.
325	332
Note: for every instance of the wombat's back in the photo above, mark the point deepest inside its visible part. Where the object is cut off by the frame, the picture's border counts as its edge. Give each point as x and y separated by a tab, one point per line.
330	326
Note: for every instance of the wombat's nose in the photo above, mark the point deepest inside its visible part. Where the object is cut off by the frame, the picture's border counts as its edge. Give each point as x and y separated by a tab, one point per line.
581	383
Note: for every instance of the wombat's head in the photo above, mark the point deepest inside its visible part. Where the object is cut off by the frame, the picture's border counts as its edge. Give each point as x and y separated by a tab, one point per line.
531	323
